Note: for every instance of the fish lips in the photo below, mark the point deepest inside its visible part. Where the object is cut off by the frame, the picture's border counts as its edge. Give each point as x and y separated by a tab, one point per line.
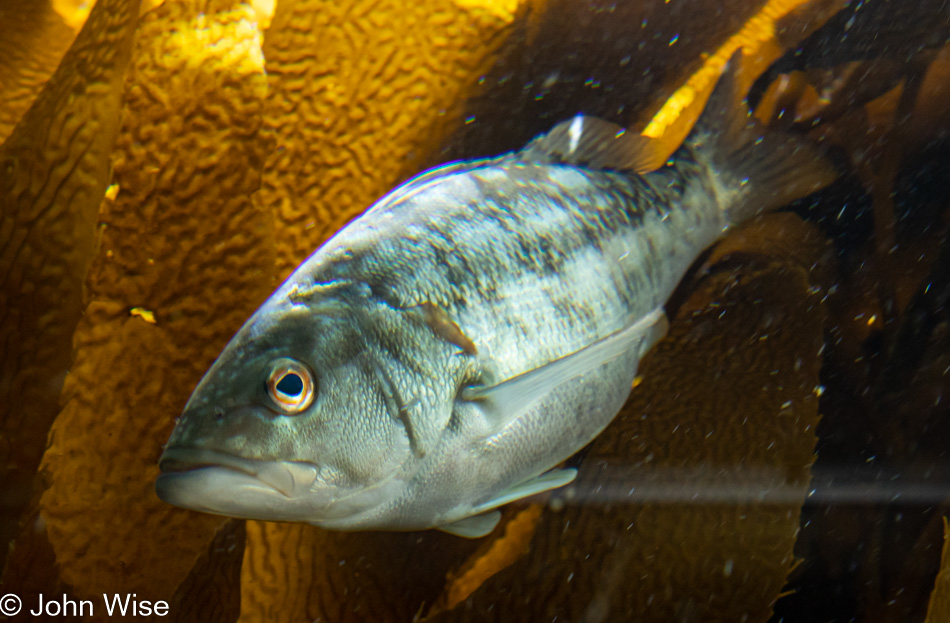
225	484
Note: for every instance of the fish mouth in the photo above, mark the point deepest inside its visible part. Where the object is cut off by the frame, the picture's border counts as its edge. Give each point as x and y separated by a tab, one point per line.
211	481
225	484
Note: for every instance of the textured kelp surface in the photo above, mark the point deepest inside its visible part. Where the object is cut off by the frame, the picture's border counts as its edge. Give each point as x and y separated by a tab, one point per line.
155	190
376	109
939	608
33	39
183	245
54	168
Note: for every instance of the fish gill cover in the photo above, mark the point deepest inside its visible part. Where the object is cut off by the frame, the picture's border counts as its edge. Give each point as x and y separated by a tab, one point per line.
239	149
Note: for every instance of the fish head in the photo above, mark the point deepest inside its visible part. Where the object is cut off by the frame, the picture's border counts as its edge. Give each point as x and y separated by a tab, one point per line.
291	423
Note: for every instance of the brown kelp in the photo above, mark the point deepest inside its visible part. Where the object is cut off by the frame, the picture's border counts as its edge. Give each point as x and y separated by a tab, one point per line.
376	109
230	167
183	256
33	39
54	168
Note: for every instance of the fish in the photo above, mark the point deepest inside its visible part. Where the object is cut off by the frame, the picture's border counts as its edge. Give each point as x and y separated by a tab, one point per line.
442	354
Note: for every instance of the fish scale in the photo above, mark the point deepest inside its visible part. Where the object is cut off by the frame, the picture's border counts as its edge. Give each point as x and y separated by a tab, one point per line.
474	328
556	230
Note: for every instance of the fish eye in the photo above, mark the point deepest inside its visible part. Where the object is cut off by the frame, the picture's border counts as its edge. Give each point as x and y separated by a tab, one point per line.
290	386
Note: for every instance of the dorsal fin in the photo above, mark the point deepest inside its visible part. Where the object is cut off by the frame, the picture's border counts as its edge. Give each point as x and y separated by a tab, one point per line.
597	144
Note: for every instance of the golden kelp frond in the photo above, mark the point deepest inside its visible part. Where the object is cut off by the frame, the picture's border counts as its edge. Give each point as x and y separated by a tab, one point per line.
930	116
617	61
211	592
686	507
760	41
870	83
264	12
182	240
74	12
504	10
879	113
938	610
295	572
494	556
54	167
362	96
783	236
33	39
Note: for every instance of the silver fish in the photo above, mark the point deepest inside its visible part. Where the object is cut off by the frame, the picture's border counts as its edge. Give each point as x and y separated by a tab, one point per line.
474	328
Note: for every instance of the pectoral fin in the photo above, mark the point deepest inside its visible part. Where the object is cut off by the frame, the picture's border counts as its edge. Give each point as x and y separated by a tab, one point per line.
473	527
545	482
504	402
486	518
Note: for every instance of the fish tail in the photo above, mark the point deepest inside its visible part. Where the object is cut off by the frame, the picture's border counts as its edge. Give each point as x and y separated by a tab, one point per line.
755	170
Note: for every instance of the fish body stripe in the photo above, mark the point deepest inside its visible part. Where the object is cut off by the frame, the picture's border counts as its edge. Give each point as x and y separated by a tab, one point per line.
605	247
